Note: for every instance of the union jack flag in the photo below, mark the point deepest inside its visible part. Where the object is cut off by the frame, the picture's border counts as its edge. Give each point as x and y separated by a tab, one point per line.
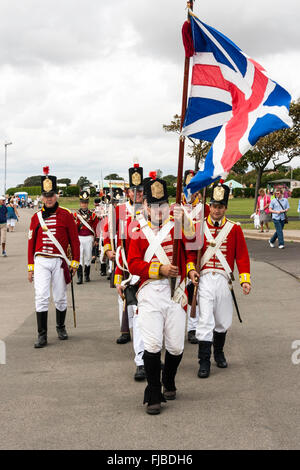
232	103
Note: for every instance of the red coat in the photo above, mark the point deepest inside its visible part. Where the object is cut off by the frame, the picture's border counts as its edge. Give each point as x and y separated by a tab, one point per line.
234	248
61	223
123	226
150	270
92	220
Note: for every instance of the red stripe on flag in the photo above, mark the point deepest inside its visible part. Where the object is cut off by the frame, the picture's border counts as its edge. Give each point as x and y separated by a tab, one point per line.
208	75
237	126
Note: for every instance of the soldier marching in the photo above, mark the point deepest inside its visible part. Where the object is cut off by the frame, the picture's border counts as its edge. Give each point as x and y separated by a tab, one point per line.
154	293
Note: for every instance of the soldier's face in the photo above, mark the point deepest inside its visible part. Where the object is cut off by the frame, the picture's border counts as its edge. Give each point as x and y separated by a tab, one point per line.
217	211
139	196
158	213
84	205
49	201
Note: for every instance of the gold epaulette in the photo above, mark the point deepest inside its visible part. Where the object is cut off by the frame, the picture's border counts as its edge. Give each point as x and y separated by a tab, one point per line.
66	209
233	222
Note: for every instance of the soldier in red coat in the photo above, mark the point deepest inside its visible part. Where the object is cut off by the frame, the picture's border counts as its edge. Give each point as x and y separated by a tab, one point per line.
86	222
224	245
52	230
160	317
117	233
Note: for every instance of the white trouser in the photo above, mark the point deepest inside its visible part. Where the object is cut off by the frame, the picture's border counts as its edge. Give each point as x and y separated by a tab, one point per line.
86	248
159	318
11	222
214	298
192	322
138	344
130	312
48	271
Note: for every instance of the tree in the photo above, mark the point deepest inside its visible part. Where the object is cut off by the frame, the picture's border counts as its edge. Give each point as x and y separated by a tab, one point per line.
83	181
113	176
159	173
170	180
32	181
276	149
198	148
66	181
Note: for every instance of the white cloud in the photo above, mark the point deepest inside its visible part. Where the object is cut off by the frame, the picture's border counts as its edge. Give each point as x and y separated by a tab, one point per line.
85	86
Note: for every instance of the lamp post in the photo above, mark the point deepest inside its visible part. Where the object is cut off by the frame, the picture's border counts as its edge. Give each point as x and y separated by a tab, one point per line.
5	160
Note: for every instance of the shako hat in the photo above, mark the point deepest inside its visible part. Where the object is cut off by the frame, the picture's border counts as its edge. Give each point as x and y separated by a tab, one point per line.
136	177
155	190
188	175
220	194
48	183
84	196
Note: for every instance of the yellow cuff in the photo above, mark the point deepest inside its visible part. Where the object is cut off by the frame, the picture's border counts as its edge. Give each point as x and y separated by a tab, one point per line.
154	270
30	268
245	277
118	279
190	267
74	264
107	247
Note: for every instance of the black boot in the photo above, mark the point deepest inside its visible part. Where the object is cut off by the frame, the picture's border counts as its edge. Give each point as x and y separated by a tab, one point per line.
168	376
140	373
79	274
42	322
192	337
204	359
219	341
124	338
87	273
103	269
60	324
152	394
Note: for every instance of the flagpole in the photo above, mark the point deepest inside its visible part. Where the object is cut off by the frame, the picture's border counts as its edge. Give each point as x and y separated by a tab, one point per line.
177	230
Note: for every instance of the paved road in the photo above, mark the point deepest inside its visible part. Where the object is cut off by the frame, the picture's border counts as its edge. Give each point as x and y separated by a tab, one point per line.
80	394
287	260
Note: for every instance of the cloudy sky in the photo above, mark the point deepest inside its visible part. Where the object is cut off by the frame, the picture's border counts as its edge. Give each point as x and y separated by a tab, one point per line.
86	85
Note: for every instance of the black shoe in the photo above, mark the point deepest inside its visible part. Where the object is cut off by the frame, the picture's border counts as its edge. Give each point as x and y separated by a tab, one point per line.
204	354
103	269
87	273
192	337
42	322
60	324
93	260
140	373
124	338
80	275
108	277
41	342
219	341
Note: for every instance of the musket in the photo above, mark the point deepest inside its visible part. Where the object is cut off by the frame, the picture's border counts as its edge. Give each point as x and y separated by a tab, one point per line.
180	159
111	225
198	262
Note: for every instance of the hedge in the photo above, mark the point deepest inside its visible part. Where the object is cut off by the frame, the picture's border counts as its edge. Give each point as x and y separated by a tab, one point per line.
296	192
31	190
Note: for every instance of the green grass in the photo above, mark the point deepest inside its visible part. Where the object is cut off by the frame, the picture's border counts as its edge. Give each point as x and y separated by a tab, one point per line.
236	208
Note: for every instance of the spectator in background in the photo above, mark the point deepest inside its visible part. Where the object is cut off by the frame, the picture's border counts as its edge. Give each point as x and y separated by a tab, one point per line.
262	209
286	193
3	224
278	208
12	216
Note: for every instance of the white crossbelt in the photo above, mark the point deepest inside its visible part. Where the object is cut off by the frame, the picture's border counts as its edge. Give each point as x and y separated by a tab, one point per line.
84	222
52	237
215	249
194	212
156	249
